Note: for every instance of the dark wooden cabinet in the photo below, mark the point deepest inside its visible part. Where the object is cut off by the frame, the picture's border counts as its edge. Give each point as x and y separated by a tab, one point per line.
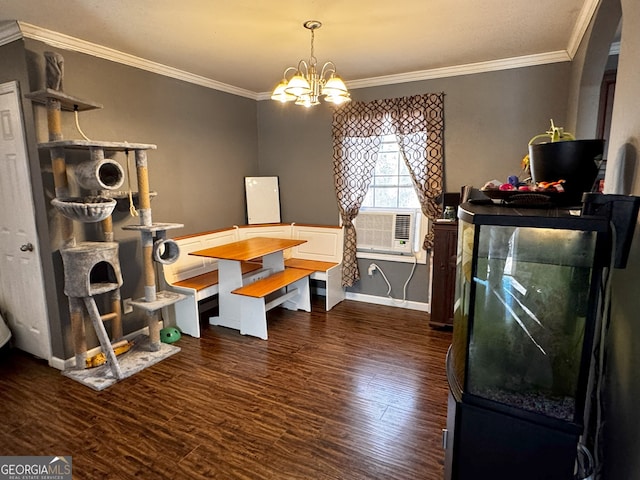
514	448
444	273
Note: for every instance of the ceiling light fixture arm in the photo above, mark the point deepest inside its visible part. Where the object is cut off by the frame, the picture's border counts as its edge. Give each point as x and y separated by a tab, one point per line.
328	69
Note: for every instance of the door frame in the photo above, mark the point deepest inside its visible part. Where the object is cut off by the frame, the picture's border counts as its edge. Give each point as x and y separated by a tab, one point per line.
40	221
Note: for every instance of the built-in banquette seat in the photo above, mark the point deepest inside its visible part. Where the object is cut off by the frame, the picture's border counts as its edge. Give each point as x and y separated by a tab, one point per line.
197	277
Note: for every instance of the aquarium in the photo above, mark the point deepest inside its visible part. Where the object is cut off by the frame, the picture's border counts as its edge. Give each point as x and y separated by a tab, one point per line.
530	297
524	312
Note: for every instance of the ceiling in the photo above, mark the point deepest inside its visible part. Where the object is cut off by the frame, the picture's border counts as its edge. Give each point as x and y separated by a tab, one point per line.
243	46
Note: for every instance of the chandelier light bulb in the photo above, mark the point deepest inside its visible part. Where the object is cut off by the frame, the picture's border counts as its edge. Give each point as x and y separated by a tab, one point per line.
280	94
334	86
338	99
298	86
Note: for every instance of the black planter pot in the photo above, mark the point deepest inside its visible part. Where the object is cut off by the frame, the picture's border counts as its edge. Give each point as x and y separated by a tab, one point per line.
575	161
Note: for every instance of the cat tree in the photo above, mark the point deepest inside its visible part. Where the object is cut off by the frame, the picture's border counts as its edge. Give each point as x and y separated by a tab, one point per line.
92	269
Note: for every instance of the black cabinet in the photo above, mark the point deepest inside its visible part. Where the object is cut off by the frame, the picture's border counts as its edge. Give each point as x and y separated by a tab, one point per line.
527	289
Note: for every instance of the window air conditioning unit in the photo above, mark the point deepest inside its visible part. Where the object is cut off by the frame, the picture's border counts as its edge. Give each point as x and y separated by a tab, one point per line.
385	232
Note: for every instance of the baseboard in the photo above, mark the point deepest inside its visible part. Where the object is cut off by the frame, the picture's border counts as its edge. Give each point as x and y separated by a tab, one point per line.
64	364
390	302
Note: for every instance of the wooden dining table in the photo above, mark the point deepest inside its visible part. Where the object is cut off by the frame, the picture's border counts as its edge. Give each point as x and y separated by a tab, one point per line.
270	251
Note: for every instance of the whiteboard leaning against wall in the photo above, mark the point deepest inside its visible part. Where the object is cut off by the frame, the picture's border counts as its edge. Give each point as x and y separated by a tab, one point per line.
263	199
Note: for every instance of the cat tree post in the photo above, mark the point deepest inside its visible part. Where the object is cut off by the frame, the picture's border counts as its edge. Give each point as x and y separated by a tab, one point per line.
54	123
155	246
147	246
59	166
145	219
54	73
116	321
76	312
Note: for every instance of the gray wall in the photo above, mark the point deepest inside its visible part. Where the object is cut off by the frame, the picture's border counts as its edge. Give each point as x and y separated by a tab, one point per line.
621	431
587	68
489	119
206	144
622	427
294	143
206	139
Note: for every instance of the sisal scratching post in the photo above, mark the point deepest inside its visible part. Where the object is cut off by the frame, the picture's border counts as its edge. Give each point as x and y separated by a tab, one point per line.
116	321
76	312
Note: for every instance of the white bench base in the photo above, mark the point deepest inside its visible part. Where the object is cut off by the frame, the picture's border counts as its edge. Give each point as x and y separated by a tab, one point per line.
254	310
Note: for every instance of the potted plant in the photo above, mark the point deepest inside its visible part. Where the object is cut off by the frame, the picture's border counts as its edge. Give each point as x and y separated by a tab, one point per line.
564	158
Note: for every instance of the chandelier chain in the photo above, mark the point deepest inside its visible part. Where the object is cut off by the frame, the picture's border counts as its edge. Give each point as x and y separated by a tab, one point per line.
313	59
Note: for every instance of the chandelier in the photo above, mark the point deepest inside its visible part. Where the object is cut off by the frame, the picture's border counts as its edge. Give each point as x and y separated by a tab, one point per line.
306	85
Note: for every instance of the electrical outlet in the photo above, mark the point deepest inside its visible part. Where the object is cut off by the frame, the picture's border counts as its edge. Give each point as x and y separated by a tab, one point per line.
126	306
372	268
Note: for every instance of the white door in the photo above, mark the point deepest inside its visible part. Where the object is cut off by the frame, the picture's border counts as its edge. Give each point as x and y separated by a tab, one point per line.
22	297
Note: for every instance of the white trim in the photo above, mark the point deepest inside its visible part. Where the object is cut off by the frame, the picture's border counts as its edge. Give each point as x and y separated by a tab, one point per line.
16	30
582	24
67	42
468	69
62	364
390	302
9	32
389	257
454	71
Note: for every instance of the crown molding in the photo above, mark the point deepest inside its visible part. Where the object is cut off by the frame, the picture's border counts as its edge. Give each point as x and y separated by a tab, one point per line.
468	69
582	24
455	71
9	32
66	42
14	30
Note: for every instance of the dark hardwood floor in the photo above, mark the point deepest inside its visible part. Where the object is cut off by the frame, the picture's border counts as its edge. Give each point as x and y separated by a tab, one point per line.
357	393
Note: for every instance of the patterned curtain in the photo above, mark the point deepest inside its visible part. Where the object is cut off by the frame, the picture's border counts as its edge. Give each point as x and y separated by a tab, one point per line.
418	123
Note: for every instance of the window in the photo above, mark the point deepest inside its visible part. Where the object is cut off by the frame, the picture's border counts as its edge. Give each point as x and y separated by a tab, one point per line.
391	186
356	130
390	218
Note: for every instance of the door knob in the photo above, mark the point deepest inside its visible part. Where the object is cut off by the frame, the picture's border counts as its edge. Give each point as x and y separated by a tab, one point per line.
27	247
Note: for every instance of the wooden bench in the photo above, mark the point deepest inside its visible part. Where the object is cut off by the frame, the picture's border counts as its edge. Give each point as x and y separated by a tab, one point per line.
197	277
289	288
328	272
210	280
321	253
